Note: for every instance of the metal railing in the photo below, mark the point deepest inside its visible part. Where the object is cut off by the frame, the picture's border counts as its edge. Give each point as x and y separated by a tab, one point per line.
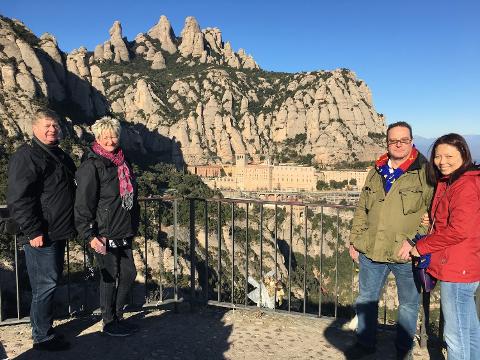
304	248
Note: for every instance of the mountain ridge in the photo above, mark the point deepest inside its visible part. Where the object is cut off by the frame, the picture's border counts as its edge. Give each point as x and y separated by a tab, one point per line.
192	96
424	145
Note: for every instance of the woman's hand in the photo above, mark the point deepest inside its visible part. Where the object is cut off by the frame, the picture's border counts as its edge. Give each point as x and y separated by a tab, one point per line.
425	220
414	252
98	244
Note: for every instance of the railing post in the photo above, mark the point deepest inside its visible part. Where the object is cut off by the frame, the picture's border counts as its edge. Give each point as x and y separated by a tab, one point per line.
425	318
246	252
160	258
206	250
305	262
320	294
219	249
276	257
385	287
290	260
145	256
233	253
262	285
68	277
175	254
83	306
17	283
336	262
441	324
1	304
192	251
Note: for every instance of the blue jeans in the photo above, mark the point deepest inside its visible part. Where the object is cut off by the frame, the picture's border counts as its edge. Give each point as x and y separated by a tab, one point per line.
462	328
44	266
372	279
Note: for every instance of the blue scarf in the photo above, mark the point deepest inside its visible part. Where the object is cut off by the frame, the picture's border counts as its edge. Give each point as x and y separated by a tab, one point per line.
390	175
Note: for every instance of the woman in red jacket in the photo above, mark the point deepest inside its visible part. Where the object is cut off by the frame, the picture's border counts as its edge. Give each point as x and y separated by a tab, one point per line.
454	243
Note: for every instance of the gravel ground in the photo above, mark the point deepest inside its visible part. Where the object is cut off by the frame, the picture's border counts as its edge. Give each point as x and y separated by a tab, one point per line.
206	333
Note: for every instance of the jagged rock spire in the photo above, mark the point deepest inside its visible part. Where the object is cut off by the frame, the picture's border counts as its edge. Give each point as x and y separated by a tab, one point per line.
116	41
163	32
192	39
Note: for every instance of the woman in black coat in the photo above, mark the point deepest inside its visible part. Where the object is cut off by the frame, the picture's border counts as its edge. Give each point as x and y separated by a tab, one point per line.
107	216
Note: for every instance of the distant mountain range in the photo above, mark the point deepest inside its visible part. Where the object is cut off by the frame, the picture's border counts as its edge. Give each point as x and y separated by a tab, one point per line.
424	144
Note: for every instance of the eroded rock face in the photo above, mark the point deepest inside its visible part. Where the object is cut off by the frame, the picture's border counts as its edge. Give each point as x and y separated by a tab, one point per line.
158	61
8	77
213	37
192	39
207	114
163	32
120	50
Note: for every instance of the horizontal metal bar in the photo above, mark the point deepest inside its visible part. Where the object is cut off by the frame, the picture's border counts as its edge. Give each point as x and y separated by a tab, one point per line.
15	321
244	201
159	304
287	313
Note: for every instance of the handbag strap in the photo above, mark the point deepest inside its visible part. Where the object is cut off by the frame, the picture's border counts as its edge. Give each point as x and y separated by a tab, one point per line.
430	230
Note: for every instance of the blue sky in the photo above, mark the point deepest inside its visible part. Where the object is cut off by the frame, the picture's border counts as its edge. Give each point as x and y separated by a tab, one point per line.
420	58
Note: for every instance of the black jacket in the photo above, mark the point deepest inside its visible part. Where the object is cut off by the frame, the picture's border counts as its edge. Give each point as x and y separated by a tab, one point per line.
40	194
98	206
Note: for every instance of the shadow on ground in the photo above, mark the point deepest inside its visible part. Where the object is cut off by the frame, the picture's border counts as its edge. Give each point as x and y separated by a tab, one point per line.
341	339
202	334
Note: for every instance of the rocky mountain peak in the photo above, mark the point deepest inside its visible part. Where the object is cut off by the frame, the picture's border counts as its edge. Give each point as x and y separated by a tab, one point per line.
203	112
191	26
192	39
163	32
120	51
195	45
47	37
213	37
116	30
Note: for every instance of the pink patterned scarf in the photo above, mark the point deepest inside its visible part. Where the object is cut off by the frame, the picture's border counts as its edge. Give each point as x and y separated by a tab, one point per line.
126	188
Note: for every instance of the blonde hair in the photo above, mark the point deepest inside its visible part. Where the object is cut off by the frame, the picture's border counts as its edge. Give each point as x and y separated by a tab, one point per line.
106	123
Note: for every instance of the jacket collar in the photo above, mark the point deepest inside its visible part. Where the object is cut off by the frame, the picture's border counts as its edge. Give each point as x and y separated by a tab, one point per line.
90	154
474	171
417	164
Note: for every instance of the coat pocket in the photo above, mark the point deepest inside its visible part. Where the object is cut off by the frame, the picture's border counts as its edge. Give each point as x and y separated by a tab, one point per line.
370	197
411	200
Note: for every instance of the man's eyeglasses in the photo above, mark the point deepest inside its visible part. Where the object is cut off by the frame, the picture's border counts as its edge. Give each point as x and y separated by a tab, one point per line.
403	141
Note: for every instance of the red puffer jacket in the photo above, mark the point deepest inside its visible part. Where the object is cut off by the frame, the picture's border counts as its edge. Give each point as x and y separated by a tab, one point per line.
455	240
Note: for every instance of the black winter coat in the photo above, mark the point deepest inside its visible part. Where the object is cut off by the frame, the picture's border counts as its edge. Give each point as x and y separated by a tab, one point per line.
40	194
98	205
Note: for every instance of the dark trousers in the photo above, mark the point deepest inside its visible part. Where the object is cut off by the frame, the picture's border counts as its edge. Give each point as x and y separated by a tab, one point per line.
117	274
44	266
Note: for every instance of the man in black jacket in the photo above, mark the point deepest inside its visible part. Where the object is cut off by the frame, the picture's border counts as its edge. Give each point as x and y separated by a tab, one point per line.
40	198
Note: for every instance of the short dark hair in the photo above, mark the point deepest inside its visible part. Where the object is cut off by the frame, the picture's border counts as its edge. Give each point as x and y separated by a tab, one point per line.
461	145
43	113
400	124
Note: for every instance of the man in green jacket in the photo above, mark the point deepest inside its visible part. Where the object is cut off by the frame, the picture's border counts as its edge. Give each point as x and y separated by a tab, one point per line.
395	197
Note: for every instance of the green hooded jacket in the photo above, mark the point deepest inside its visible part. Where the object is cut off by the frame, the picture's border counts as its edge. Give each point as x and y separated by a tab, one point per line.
383	221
